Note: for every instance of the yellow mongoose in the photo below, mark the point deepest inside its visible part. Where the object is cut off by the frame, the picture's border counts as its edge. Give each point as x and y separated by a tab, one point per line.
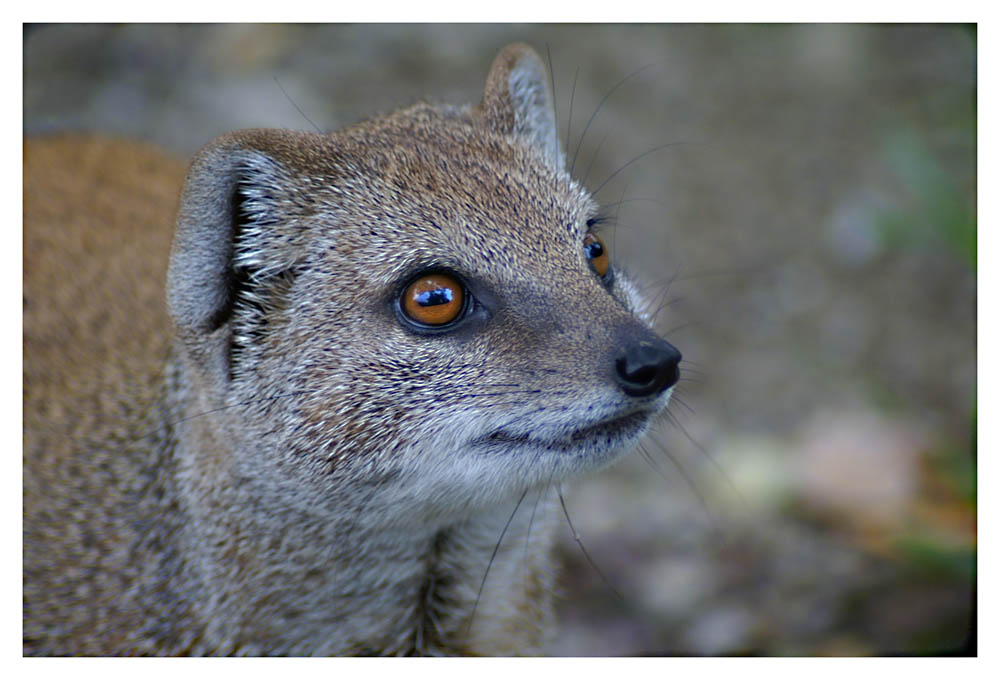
380	342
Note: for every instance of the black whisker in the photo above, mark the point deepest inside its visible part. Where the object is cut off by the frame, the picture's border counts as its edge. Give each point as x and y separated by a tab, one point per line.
569	121
664	303
715	464
617	223
633	160
576	537
675	399
292	101
690	483
493	556
696	380
689	368
681	326
636	199
728	272
593	158
552	82
531	520
594	115
666	281
523	416
663	296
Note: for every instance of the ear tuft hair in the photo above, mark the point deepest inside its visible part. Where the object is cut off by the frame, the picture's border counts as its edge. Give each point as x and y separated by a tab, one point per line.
229	242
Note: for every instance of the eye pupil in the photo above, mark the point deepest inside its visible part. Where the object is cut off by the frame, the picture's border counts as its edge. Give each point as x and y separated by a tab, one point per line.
597	254
433	300
438	296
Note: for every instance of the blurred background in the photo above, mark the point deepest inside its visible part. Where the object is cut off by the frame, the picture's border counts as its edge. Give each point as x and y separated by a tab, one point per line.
808	237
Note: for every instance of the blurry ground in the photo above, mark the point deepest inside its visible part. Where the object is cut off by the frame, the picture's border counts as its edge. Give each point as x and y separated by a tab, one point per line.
816	226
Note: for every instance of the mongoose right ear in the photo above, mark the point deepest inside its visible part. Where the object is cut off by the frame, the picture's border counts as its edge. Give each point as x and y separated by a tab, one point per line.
518	99
232	239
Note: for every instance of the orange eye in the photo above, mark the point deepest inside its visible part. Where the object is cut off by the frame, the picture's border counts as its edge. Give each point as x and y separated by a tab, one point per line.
434	299
597	254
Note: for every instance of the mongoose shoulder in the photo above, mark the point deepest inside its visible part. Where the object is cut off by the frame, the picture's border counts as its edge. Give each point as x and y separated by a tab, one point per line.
382	351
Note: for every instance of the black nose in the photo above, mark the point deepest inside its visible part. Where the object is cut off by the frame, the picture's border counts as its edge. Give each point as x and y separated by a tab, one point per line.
647	367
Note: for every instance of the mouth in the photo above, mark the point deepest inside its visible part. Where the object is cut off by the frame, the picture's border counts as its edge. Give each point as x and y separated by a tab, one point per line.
605	434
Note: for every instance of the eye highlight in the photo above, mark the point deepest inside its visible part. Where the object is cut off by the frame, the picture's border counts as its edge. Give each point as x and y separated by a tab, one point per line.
433	299
597	254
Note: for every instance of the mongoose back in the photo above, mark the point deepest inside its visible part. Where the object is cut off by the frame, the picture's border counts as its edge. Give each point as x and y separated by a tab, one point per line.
383	349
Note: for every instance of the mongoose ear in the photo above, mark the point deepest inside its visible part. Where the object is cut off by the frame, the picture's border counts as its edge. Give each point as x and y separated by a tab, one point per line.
518	99
231	237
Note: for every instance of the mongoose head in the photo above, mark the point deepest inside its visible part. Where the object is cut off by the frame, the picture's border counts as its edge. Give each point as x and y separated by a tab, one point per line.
411	314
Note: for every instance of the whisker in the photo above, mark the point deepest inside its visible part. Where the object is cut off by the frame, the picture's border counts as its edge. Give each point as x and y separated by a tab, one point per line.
475	395
664	303
663	296
661	281
744	271
593	158
680	402
552	83
297	108
636	199
614	233
594	115
523	416
531	520
715	464
569	122
657	468
681	326
691	485
576	537
618	223
636	158
493	556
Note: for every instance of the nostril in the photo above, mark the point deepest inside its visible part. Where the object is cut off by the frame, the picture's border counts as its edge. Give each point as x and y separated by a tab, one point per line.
647	368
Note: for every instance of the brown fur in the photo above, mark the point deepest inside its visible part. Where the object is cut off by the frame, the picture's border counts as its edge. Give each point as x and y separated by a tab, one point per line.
97	227
305	473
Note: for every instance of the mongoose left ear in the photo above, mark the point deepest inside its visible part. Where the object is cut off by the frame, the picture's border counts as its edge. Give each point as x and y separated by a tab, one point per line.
518	100
236	242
